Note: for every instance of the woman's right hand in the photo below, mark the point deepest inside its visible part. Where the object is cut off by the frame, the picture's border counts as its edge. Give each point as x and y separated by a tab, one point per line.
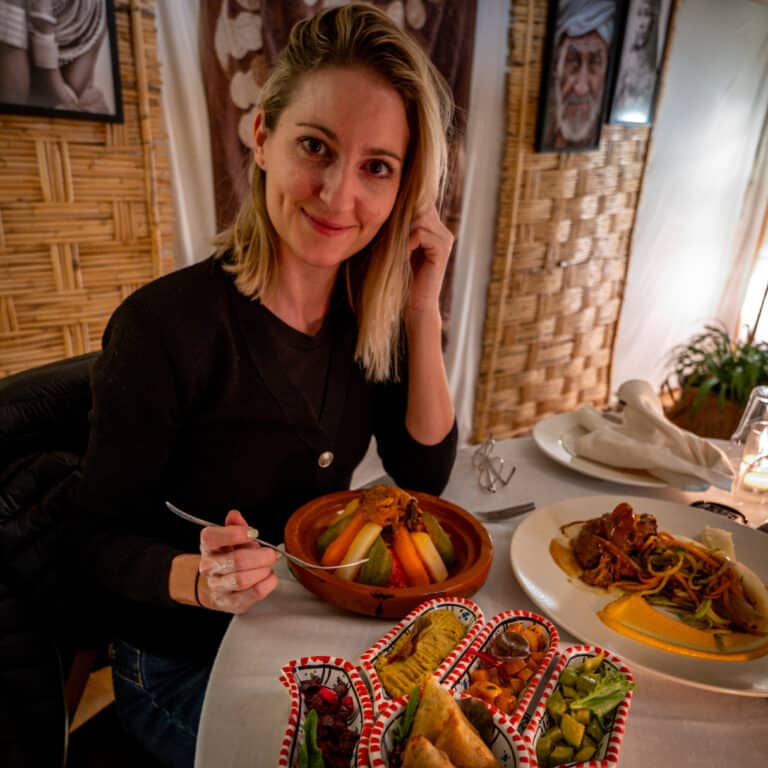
235	571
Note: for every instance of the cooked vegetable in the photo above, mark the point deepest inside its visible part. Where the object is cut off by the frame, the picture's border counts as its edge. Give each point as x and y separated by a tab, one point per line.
409	548
358	549
336	550
310	755
581	718
378	570
419	651
440	538
409	557
429	556
502	683
338	525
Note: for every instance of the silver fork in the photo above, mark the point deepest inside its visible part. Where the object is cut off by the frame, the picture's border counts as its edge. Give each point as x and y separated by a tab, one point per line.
303	563
493	515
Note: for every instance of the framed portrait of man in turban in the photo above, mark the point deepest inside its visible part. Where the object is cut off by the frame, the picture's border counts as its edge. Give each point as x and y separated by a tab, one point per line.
578	62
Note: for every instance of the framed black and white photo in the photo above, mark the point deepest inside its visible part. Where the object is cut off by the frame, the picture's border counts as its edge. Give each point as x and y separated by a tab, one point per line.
579	58
642	52
58	58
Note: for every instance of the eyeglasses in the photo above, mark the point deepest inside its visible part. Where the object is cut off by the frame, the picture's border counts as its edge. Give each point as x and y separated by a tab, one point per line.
490	467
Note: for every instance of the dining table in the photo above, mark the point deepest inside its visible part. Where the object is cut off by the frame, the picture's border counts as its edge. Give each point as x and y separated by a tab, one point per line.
246	709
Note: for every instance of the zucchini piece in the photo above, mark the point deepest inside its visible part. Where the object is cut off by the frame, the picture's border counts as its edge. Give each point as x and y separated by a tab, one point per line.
557	705
440	539
378	569
573	730
337	526
593	662
560	755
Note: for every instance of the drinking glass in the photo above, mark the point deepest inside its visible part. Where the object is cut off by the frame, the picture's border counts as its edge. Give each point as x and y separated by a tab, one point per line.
751	485
755	410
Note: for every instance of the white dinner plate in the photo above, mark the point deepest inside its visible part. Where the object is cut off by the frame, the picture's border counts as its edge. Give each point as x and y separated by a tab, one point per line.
553	433
574	605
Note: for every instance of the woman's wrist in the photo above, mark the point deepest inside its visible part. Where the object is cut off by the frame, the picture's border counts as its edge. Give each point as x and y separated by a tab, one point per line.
184	583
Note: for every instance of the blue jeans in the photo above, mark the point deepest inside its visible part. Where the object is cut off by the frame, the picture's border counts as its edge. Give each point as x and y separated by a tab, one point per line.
159	700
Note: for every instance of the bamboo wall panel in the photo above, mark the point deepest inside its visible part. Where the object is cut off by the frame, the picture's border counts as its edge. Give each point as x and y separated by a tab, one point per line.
85	210
562	244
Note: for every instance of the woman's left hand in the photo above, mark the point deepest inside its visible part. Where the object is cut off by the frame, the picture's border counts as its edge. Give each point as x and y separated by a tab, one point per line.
429	246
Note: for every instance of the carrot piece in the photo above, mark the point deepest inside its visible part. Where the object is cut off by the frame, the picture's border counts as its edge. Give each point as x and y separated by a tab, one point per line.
512	667
506	702
406	550
525	674
516	685
336	550
477	675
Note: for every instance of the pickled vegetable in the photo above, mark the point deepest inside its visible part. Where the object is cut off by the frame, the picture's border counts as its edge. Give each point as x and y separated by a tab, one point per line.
579	710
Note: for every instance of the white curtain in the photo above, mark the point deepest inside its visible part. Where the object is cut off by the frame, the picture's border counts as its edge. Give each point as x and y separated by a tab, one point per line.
708	124
186	120
746	288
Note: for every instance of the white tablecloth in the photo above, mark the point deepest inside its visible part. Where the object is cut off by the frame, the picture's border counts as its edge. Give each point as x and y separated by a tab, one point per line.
246	708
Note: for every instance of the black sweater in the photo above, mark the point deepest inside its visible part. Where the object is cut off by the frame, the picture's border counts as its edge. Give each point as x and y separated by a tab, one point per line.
192	405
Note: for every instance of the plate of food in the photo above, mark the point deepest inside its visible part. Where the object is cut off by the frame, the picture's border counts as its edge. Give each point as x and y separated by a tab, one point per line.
671	588
417	547
553	435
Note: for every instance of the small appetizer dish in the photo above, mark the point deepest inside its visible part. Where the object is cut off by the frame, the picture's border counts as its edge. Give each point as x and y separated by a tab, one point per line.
433	728
581	716
414	547
330	716
429	641
506	661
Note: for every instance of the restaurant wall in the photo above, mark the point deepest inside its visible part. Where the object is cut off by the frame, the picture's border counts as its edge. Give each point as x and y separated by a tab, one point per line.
86	214
560	257
685	241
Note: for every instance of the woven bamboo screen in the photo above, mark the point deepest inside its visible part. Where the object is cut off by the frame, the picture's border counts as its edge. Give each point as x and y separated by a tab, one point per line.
85	211
562	243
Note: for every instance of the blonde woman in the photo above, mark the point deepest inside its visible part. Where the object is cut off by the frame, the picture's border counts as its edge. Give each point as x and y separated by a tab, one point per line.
253	381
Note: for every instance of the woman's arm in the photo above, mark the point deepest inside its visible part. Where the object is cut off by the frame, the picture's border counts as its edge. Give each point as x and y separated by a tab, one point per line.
430	413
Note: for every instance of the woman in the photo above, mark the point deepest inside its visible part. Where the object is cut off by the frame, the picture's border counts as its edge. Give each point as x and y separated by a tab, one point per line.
253	381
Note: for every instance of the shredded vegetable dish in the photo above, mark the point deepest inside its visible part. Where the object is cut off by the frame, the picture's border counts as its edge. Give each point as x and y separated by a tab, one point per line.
700	585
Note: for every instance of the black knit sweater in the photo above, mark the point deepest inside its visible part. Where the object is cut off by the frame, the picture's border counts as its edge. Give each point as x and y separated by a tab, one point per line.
192	404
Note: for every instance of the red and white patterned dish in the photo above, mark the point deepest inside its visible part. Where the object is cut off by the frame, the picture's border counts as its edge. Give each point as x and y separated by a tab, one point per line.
329	670
607	755
468	613
459	678
507	745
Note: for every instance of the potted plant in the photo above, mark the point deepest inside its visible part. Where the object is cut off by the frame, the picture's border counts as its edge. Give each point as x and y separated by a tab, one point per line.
710	381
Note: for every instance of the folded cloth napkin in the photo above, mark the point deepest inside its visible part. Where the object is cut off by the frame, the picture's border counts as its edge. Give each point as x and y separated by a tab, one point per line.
642	438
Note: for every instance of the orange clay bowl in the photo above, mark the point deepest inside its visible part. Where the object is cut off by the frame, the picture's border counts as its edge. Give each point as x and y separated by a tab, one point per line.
474	553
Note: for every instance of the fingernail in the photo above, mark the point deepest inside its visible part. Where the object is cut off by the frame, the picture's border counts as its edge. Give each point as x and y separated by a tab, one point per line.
252	534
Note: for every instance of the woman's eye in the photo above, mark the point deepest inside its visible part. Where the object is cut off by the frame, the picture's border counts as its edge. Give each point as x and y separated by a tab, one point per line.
379	168
313	146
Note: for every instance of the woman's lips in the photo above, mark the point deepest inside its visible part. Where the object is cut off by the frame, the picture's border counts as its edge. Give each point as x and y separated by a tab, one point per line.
325	227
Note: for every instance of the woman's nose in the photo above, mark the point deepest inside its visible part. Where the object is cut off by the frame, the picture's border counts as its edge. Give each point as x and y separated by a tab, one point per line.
338	187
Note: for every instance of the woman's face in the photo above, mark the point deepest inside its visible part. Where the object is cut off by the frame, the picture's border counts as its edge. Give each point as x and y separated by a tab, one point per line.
333	164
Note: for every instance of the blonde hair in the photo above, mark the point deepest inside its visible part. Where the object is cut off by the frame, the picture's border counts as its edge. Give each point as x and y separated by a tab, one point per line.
377	278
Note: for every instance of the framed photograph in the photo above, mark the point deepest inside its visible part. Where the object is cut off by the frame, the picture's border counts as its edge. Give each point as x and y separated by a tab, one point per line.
642	52
579	57
58	58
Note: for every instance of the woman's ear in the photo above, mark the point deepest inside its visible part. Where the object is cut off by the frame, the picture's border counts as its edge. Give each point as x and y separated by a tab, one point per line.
259	139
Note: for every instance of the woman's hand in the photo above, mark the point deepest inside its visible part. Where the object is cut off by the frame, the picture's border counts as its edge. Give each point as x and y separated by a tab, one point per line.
235	572
429	246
